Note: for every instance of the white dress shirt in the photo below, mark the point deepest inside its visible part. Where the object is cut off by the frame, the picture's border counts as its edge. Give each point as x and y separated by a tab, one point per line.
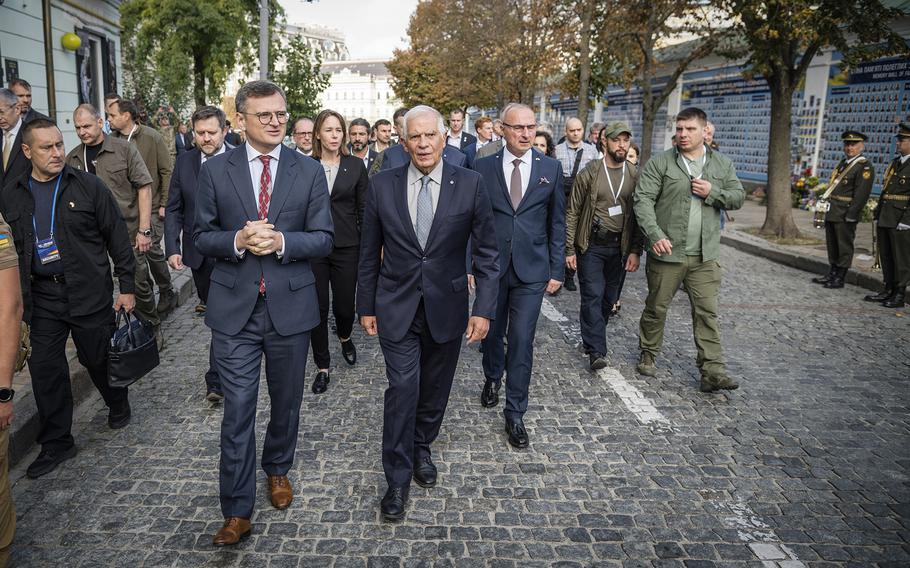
904	159
415	181
454	140
218	152
13	132
524	168
252	157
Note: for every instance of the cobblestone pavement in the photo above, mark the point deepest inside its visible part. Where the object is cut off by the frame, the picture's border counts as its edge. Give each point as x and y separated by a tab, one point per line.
805	465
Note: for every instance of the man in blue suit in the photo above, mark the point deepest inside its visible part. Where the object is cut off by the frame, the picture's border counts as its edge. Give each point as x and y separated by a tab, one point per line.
262	212
529	209
413	291
396	156
209	124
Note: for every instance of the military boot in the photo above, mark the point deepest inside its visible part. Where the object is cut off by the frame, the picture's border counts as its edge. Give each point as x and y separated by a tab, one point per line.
711	383
881	296
824	279
646	364
837	279
897	300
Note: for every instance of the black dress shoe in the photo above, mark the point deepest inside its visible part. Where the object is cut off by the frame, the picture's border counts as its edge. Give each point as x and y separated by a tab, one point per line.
349	352
321	382
837	279
880	297
393	503
425	472
597	361
48	460
827	277
490	395
214	395
518	436
120	417
897	299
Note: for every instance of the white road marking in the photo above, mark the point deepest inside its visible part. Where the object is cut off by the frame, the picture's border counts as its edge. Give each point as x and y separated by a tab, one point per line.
760	537
635	401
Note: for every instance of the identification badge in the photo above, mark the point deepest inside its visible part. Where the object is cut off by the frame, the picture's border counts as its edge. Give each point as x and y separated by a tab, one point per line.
615	210
47	251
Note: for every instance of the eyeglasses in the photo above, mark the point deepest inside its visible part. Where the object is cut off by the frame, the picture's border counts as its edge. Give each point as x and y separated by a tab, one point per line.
519	128
303	134
266	117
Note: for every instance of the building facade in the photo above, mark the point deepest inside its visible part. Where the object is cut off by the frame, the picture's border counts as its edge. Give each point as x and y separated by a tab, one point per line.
360	89
31	48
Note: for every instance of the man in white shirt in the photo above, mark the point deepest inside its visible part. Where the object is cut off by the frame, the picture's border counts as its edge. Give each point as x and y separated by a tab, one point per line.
457	138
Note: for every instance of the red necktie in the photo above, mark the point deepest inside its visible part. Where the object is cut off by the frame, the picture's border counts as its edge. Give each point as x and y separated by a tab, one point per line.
264	181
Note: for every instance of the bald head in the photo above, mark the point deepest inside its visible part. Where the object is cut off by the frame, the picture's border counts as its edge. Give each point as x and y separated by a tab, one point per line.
575	130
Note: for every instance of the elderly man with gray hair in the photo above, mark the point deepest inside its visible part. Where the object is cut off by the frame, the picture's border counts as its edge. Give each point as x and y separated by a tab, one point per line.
413	292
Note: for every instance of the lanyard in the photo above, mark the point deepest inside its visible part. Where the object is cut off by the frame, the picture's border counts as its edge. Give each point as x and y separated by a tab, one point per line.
704	160
53	207
133	131
622	181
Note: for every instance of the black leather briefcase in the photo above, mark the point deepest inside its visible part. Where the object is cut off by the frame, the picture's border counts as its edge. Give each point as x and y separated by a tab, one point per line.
133	352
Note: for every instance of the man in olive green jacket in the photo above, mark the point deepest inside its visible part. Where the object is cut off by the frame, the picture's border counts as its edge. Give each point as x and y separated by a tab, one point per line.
678	202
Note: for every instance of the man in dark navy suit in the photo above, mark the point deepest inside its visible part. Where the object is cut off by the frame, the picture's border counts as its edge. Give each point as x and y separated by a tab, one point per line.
529	209
396	156
262	212
359	132
457	137
209	124
413	291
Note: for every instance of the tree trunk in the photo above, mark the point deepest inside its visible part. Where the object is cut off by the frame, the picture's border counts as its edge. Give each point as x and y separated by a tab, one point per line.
779	213
198	80
647	131
584	61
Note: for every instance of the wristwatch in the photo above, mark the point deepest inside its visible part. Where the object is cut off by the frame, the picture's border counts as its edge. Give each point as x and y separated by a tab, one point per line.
146	232
6	395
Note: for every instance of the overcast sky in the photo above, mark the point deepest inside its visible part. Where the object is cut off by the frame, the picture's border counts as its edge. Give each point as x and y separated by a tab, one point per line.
371	28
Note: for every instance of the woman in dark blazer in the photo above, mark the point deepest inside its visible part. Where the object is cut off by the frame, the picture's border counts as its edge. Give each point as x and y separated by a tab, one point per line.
347	182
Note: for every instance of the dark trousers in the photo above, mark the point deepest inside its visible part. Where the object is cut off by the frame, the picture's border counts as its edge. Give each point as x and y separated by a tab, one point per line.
420	373
51	326
158	267
600	272
517	310
238	359
202	277
894	251
839	238
338	270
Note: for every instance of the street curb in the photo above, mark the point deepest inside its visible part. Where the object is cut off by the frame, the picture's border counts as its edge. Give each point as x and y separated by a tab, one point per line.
761	247
25	421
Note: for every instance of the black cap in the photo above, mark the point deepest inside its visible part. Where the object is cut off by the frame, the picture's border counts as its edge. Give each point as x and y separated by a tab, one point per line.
903	130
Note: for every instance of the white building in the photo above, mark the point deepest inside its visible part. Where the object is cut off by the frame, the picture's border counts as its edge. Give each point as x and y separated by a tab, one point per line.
360	89
81	76
328	42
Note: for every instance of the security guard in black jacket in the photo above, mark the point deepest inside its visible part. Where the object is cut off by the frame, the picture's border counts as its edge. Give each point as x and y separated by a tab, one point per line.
847	194
893	228
65	225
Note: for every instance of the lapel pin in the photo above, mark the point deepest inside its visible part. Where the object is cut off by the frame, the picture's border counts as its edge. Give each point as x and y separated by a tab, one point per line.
544	180
451	182
72	204
536	158
344	169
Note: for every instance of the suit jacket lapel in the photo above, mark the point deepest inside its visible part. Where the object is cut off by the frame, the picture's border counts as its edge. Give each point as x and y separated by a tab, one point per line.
503	185
196	161
532	181
284	181
239	172
446	194
17	147
401	203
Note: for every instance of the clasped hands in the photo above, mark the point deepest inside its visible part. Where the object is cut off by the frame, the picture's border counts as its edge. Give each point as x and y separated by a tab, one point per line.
259	237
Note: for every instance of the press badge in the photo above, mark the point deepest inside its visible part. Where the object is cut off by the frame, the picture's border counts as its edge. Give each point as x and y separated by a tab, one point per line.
47	250
615	210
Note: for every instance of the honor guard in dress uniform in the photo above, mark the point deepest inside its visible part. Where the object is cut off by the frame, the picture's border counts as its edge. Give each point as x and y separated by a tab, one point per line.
842	205
893	231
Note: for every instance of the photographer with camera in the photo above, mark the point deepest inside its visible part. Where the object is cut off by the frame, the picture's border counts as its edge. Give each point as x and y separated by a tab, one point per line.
602	236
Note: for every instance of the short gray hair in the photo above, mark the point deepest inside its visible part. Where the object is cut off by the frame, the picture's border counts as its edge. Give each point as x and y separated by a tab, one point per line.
256	90
513	106
8	97
89	108
422	110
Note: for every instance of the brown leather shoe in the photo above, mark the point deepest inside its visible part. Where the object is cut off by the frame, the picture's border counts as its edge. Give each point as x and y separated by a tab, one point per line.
280	491
234	529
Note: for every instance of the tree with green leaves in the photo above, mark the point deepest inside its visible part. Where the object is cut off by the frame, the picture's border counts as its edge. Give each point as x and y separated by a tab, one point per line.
184	50
300	77
781	39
